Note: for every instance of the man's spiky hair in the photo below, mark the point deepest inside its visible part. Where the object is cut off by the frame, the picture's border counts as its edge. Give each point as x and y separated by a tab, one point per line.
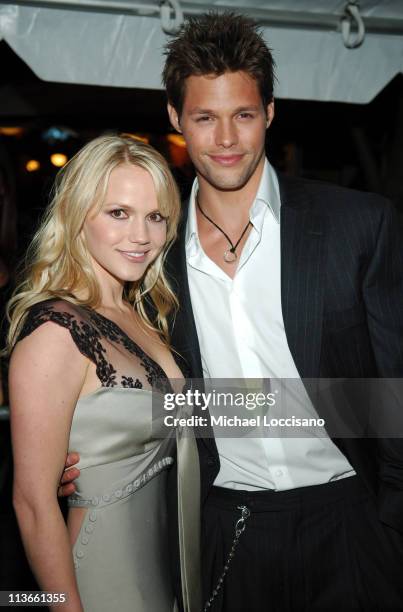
215	43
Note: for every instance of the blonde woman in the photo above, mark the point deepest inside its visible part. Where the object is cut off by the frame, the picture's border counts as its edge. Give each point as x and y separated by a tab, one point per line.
86	354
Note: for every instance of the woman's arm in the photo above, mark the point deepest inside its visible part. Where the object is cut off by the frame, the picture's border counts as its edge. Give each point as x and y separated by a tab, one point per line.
46	375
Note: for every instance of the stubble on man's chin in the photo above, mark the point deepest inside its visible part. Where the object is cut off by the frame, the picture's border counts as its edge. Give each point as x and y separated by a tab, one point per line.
224	183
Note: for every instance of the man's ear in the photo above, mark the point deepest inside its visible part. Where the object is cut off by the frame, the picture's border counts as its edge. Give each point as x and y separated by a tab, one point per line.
270	113
174	118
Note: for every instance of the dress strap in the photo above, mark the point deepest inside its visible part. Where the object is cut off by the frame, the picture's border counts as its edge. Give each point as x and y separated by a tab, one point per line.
86	335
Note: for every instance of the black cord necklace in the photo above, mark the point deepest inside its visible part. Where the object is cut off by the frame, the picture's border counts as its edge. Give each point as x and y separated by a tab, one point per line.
230	254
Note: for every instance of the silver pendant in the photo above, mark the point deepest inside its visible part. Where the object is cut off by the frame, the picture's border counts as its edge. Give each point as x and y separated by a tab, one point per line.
230	256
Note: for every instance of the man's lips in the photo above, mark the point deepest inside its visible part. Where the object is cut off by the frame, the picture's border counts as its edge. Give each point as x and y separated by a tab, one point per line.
226	160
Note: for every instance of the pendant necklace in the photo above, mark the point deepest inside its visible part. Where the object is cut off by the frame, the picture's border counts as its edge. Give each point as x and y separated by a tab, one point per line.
230	254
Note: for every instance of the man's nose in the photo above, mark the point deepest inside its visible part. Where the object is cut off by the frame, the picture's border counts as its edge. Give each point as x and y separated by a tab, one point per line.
226	133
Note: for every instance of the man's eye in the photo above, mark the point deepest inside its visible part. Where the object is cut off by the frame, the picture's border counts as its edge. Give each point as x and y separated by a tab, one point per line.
203	119
118	213
157	217
246	115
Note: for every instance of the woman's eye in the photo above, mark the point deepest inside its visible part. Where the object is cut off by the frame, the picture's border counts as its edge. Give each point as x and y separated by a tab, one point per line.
157	217
118	213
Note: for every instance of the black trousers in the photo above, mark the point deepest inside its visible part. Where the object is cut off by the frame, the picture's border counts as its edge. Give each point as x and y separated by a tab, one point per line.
310	549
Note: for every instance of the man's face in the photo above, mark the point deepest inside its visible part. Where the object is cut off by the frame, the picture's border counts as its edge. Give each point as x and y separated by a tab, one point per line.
224	124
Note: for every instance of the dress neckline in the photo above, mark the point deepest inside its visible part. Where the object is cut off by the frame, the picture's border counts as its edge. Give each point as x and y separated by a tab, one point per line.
136	345
128	338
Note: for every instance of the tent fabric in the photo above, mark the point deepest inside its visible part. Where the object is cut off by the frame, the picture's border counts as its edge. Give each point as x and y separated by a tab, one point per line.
112	49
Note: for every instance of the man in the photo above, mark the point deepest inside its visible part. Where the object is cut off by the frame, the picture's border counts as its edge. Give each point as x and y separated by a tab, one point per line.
282	278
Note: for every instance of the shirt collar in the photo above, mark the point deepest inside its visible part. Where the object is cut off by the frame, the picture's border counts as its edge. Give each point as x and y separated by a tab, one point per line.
268	194
191	225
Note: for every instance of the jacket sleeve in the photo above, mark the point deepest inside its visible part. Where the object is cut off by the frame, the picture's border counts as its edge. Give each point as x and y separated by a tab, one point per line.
383	295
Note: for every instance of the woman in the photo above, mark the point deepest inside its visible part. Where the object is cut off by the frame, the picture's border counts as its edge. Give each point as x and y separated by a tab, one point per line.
86	355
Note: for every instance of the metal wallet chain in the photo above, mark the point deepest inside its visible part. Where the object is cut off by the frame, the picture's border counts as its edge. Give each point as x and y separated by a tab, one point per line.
239	529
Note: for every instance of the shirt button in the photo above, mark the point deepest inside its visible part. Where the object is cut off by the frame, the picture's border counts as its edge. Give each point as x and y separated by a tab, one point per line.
279	472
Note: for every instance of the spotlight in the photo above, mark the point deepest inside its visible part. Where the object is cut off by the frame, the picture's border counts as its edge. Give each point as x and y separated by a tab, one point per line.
177	139
58	159
11	131
32	165
58	133
141	137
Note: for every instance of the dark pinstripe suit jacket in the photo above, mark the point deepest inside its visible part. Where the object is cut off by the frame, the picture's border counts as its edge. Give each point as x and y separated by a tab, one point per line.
342	301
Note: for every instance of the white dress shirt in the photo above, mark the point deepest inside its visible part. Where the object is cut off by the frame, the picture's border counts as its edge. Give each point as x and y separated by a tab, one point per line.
241	333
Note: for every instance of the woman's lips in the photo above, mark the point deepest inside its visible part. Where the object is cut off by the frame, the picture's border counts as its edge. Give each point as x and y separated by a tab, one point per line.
135	256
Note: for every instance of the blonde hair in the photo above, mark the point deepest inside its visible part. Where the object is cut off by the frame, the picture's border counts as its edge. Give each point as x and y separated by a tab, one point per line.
58	263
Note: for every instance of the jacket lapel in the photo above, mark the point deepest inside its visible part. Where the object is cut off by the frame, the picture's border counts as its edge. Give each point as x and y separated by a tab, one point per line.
302	275
183	328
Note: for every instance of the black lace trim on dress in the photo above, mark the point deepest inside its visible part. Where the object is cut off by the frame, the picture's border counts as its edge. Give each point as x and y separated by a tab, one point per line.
111	331
88	337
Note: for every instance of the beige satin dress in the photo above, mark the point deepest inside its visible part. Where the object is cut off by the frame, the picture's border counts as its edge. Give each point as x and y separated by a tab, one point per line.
121	555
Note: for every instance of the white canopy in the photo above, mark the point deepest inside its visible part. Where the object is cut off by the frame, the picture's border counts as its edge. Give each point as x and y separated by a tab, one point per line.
120	42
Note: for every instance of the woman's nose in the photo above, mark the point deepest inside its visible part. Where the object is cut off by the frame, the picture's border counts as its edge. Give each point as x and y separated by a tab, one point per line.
138	232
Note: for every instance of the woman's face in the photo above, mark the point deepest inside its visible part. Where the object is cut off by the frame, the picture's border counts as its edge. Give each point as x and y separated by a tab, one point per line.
128	233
